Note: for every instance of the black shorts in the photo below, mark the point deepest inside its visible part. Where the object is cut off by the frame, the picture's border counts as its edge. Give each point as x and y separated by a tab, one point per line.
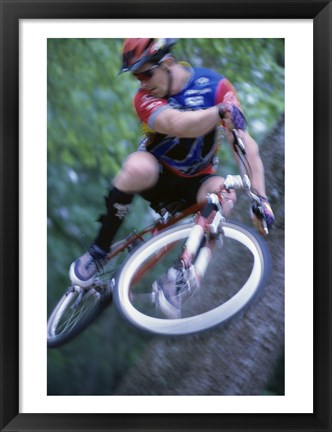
171	188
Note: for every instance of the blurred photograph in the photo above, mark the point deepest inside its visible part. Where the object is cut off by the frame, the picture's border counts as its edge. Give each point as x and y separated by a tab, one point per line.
165	216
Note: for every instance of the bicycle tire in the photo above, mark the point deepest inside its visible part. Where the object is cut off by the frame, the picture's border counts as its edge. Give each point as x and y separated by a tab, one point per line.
79	307
67	320
234	232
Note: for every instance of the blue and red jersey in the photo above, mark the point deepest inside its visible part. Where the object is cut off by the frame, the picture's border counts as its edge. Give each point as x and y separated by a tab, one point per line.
186	156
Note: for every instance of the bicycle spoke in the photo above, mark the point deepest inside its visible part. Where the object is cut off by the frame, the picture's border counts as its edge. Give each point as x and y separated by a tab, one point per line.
79	309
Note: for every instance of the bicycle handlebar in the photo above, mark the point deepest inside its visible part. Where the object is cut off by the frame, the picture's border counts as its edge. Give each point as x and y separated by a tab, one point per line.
237	182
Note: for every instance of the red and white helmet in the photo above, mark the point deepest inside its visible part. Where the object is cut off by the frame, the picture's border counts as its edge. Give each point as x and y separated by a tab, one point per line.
136	52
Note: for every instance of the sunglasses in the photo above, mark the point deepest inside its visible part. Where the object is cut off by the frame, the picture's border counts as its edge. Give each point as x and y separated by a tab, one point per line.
145	75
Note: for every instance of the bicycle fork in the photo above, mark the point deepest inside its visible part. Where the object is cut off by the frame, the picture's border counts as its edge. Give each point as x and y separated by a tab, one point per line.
197	249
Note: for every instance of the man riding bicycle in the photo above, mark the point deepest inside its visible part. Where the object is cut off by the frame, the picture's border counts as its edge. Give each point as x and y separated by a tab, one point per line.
182	110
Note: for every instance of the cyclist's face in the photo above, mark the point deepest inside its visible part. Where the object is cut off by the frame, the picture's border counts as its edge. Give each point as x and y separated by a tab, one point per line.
153	79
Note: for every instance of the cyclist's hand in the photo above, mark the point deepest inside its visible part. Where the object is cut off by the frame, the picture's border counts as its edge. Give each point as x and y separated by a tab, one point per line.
262	216
232	116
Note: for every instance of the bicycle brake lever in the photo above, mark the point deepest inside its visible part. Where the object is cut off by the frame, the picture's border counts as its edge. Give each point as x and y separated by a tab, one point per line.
238	142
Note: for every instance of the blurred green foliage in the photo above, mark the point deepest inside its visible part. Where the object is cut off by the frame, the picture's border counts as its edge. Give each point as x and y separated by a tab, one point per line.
92	126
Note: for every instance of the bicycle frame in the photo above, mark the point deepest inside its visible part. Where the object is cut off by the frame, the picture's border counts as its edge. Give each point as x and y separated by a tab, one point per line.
161	224
195	240
207	215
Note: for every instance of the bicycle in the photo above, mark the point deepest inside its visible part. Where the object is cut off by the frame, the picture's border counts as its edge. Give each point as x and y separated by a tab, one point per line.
193	237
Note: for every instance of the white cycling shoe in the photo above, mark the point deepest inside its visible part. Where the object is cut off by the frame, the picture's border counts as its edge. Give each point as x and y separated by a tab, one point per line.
173	289
84	270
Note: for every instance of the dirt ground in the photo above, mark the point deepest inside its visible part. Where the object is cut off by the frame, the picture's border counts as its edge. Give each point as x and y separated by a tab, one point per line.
241	356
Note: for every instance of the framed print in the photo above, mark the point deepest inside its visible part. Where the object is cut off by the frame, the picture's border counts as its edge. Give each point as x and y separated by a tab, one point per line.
275	361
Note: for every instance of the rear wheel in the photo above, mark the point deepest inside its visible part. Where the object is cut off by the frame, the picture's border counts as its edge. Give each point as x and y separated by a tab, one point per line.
244	253
76	309
79	307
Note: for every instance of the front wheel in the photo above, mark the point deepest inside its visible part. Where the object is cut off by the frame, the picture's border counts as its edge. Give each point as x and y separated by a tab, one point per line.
235	274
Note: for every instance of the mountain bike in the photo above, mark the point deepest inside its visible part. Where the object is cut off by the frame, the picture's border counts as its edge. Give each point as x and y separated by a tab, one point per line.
198	240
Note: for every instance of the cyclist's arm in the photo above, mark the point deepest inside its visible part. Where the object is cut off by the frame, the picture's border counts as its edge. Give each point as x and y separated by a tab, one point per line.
162	118
186	124
191	124
257	168
227	94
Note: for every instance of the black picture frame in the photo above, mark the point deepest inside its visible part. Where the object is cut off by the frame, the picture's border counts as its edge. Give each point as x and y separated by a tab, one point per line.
11	12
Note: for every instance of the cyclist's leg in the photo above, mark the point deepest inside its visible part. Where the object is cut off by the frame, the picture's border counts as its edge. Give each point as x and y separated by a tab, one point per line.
184	277
215	184
179	280
140	171
168	189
